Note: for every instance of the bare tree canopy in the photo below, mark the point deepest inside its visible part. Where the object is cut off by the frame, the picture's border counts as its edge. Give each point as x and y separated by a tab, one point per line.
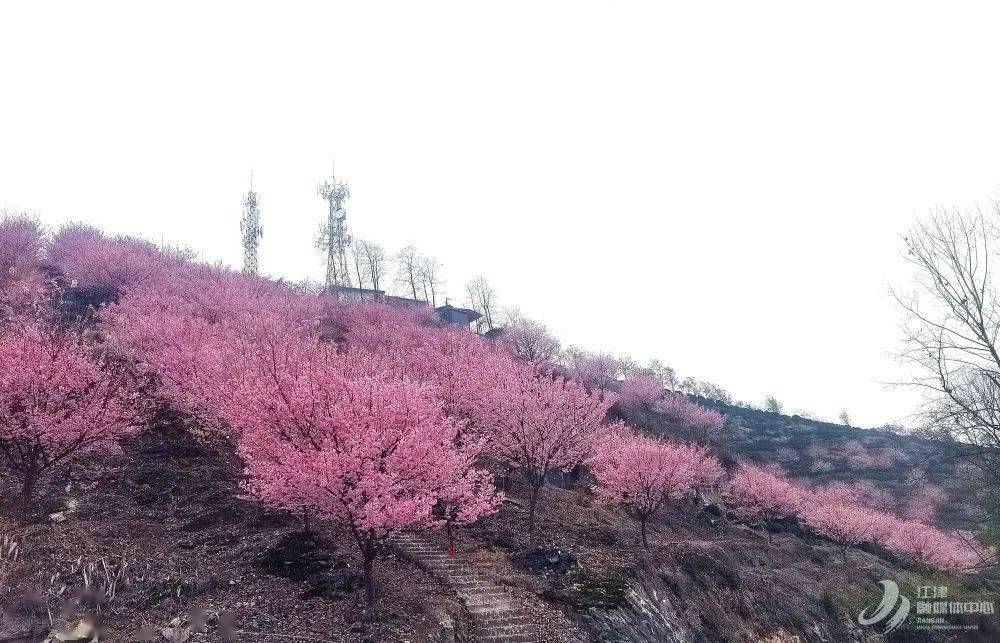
530	340
368	263
952	320
482	298
407	262
429	273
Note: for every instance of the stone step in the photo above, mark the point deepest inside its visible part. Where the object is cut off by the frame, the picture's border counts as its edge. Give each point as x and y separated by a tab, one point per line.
503	626
504	630
494	619
508	638
506	617
495	600
489	611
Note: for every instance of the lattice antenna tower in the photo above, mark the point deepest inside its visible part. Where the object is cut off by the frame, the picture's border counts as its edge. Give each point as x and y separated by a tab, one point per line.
333	238
251	229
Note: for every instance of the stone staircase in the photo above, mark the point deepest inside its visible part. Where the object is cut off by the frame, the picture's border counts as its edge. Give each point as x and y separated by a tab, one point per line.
495	619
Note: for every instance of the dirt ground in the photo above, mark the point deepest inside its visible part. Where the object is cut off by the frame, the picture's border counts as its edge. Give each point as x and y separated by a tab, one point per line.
159	542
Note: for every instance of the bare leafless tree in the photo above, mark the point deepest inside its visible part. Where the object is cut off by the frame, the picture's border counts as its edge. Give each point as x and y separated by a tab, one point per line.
952	321
483	299
373	259
358	259
429	273
407	262
530	340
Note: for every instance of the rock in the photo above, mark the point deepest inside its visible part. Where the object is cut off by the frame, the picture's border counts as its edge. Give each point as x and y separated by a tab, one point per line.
83	631
541	560
59	516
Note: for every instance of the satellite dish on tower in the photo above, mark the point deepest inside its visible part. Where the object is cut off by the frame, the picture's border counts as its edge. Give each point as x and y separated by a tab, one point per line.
339	214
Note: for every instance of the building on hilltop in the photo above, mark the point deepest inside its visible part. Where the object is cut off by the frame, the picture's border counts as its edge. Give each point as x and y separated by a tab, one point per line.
349	293
448	314
453	316
405	302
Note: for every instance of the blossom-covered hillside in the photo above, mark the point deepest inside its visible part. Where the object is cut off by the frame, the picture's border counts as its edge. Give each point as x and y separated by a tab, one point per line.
191	453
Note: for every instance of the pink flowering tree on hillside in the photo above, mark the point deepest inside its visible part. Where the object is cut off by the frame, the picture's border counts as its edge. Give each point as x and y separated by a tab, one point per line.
861	493
700	422
935	548
193	363
57	402
755	492
539	424
191	332
88	258
640	390
869	495
848	525
374	454
924	504
644	474
21	282
595	371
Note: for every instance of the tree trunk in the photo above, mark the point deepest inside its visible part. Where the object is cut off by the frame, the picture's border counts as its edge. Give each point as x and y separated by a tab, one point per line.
305	520
369	578
27	492
642	530
531	514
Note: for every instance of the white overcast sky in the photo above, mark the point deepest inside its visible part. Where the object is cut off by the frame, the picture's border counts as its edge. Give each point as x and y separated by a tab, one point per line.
720	185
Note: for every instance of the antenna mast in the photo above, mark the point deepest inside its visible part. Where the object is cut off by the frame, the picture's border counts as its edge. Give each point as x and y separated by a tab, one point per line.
333	238
251	229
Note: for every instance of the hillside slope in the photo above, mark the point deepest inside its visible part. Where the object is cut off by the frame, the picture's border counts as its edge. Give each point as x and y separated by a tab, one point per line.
819	452
164	520
284	466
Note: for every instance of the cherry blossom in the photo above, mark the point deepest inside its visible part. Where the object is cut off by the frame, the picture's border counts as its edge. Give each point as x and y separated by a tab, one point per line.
644	474
57	402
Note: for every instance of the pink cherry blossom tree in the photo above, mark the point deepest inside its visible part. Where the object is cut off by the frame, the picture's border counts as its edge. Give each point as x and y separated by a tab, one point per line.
595	371
701	422
869	495
538	424
88	258
21	283
57	402
861	493
373	453
847	524
755	492
640	389
924	503
933	547
644	474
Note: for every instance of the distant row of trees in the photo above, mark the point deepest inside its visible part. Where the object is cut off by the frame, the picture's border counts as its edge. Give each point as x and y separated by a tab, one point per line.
413	274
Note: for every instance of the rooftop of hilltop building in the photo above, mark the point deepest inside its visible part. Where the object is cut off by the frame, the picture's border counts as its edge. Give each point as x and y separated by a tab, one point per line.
457	316
448	314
